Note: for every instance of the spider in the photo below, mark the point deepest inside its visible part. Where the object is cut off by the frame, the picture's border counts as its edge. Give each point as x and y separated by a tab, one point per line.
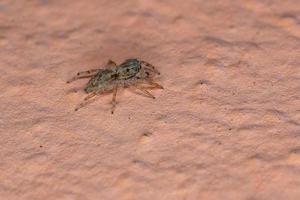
131	73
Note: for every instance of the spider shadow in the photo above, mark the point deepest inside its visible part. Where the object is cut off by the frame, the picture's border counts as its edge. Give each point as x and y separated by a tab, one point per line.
137	92
74	90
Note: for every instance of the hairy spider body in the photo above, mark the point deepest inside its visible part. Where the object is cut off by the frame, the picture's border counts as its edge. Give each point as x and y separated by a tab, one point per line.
131	73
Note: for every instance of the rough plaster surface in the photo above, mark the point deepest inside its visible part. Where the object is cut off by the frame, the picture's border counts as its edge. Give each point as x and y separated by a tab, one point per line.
226	126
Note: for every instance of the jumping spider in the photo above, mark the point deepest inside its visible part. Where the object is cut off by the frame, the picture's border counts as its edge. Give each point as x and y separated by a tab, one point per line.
131	73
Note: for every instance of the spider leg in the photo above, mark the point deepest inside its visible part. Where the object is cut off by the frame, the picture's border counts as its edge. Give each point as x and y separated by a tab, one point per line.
113	102
85	102
154	84
91	95
111	63
84	74
151	67
142	89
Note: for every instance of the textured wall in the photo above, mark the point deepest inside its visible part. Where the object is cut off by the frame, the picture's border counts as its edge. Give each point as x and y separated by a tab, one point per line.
226	126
